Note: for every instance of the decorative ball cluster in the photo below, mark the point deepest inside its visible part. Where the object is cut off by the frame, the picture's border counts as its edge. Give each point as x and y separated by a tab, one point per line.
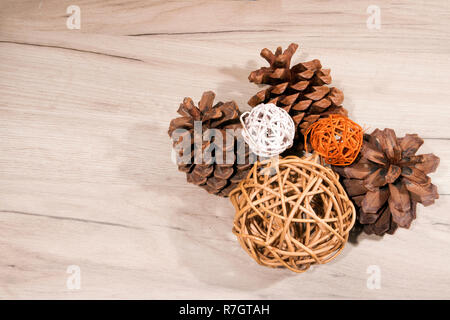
268	130
293	212
336	138
298	217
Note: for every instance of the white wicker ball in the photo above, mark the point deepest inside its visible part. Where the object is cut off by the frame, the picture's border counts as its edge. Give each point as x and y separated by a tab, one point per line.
268	130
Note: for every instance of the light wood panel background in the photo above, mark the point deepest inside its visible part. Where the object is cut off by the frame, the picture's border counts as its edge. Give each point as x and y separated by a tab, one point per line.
85	172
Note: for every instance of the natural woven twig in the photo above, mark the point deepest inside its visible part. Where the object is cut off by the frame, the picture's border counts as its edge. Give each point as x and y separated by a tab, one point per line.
336	138
268	130
297	217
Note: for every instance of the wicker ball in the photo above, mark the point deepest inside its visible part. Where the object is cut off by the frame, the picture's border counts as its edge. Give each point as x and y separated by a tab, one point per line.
268	130
336	138
295	218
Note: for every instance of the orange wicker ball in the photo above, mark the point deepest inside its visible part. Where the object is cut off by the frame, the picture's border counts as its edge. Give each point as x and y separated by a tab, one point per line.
336	138
293	216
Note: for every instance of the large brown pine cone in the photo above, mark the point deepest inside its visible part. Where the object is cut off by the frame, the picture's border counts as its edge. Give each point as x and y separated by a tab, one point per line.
216	178
301	90
388	179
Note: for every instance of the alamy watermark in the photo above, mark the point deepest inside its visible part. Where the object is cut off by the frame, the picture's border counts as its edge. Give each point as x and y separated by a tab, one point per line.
74	279
214	146
74	19
374	279
373	22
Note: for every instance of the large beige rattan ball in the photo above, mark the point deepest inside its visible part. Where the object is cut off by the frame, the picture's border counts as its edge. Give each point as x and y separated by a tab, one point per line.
294	218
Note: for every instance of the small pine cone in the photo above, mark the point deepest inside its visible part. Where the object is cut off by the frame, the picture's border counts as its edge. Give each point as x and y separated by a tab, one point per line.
388	180
301	90
214	177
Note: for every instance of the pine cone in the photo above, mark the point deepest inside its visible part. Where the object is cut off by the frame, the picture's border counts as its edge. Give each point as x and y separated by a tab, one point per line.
388	179
301	90
216	178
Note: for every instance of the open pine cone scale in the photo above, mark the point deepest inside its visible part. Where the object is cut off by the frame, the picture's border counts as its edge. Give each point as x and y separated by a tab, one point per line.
388	180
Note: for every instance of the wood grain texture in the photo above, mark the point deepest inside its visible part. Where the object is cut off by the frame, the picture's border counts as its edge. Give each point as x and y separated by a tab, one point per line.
85	172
